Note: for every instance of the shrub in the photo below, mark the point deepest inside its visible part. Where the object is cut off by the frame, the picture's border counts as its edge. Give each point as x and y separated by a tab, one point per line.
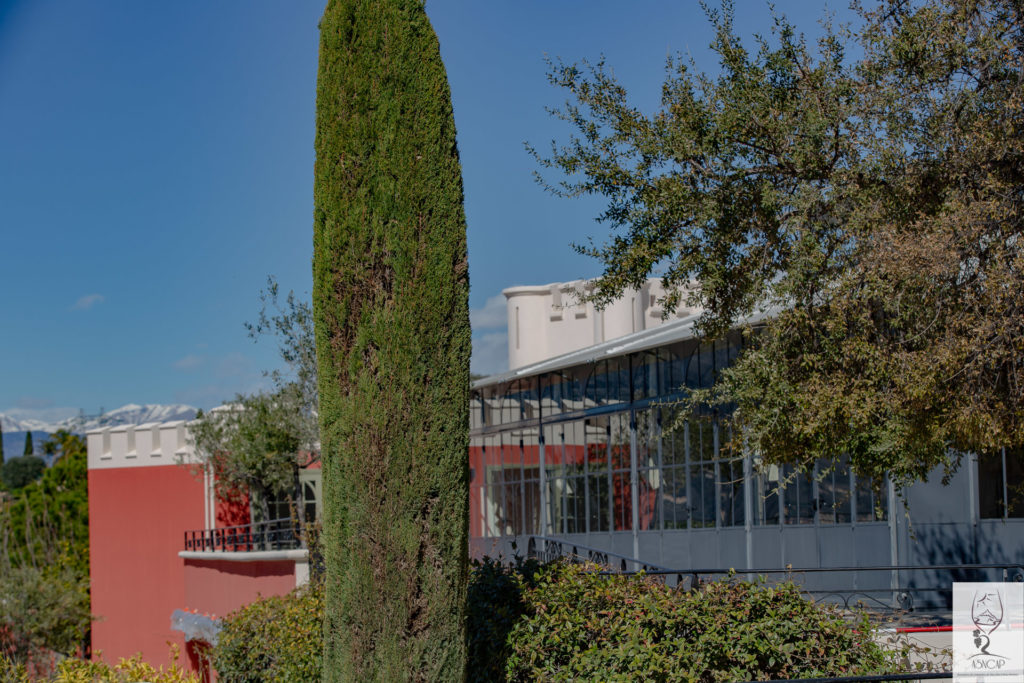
581	625
527	621
74	670
17	473
494	603
43	612
273	639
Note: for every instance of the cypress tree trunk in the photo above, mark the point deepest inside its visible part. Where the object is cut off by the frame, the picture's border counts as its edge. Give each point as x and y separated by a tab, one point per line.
393	342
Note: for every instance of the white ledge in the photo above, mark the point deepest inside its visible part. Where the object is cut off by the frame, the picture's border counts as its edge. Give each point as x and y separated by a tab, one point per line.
298	554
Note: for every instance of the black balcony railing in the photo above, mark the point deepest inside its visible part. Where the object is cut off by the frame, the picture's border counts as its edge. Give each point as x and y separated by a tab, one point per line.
547	549
275	534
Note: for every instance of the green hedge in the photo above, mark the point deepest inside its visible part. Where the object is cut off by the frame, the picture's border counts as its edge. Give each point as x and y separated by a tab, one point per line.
560	621
581	625
494	605
273	639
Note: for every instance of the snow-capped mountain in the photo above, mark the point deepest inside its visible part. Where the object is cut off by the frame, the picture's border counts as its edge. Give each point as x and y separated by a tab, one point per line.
128	414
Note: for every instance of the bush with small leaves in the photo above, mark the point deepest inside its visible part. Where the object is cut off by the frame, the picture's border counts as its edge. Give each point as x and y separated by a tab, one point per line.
74	670
580	624
494	604
278	638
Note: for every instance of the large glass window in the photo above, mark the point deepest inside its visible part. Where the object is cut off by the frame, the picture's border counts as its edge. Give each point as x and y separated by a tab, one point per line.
730	481
766	495
529	460
564	454
872	506
477	486
598	474
646	374
514	484
991	494
701	434
551	394
495	487
1001	484
649	479
834	493
284	505
622	495
595	389
511	475
673	361
517	401
797	497
675	501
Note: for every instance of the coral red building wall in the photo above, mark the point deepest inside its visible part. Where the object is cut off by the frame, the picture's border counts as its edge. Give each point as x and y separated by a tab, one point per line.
137	520
234	511
219	587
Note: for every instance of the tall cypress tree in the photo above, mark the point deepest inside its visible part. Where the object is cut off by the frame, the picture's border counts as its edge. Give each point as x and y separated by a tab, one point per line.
29	447
393	340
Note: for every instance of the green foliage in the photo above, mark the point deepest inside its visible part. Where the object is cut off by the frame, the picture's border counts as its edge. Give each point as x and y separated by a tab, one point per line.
580	625
50	517
257	443
273	639
44	561
494	605
527	621
390	305
253	445
872	206
291	323
20	472
29	448
42	610
73	670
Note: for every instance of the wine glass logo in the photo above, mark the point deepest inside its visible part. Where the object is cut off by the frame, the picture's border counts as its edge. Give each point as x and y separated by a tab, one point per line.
987	614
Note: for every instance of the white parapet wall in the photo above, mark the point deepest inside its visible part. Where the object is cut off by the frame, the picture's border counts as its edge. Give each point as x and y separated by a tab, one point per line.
144	445
545	321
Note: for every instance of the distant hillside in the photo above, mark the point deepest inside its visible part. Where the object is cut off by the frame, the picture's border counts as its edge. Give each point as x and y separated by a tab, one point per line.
16	428
14	442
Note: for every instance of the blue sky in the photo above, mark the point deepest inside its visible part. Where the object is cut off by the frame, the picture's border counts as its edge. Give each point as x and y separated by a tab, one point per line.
156	165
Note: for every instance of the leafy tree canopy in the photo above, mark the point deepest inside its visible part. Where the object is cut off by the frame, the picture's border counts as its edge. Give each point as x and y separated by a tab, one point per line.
258	442
874	207
44	557
252	445
50	517
22	471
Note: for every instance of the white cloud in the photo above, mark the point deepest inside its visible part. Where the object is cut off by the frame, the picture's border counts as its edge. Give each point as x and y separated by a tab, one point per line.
88	301
493	315
189	362
490	353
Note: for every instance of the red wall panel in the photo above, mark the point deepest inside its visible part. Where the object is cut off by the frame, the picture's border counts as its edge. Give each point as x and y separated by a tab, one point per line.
137	520
234	511
219	587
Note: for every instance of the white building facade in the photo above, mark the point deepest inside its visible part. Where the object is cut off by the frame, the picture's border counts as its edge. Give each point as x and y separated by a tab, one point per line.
546	321
584	441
